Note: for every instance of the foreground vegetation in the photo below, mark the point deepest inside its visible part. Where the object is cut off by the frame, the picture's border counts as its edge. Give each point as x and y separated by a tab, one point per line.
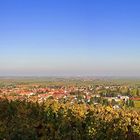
52	120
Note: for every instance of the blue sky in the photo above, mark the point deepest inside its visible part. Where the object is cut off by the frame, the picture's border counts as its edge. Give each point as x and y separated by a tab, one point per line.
70	37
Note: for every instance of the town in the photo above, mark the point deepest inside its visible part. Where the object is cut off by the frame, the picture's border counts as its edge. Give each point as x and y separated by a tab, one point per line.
73	91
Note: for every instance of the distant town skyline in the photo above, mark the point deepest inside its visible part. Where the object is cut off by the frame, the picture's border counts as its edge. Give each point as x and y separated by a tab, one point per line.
69	37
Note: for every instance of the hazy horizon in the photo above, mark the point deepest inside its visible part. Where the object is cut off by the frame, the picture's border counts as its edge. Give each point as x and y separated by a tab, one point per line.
70	38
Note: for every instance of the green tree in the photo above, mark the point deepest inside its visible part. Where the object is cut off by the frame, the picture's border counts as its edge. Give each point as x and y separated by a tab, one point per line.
131	103
105	102
113	102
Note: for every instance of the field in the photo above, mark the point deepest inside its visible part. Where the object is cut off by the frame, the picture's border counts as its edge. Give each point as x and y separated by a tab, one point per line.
80	81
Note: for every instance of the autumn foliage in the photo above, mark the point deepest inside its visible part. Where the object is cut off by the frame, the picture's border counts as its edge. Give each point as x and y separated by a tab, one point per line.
52	120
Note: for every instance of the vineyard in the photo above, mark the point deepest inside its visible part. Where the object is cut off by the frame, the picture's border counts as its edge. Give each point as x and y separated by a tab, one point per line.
52	120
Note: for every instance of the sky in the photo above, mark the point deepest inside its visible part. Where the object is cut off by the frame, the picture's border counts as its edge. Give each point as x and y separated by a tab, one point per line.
69	37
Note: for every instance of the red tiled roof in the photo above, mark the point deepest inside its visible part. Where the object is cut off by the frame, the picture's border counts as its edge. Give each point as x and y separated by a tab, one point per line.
136	99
